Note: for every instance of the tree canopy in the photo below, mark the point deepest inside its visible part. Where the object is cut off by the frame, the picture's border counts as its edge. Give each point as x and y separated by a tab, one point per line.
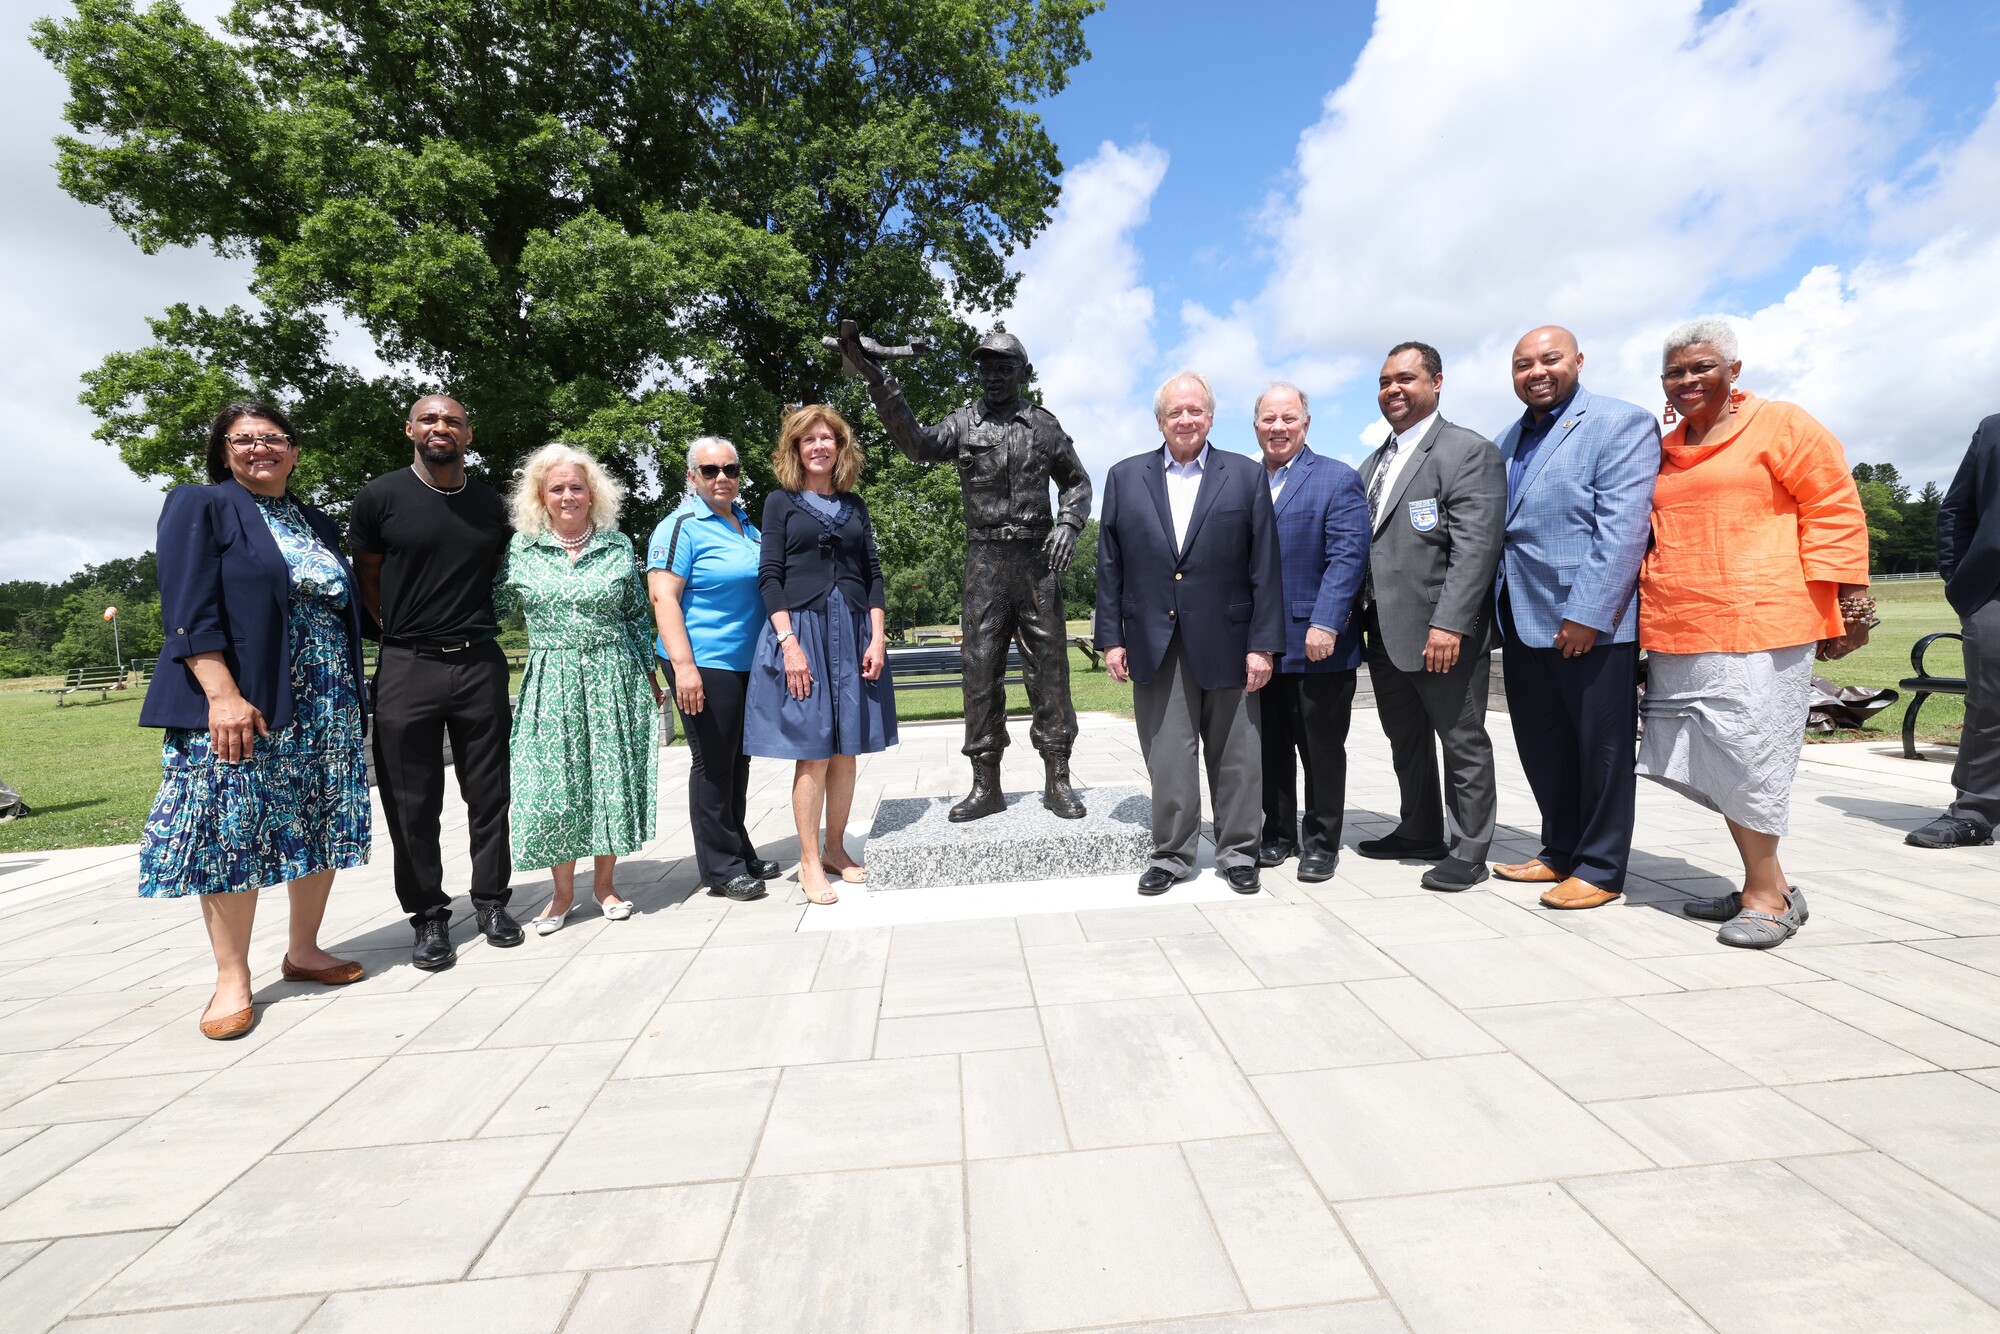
620	223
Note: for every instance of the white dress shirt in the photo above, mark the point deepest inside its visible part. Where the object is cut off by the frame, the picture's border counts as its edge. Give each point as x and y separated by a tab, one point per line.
1399	462
1183	485
1279	478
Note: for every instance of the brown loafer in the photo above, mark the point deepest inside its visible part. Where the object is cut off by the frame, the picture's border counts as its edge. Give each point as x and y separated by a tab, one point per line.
230	1025
1574	893
339	975
1530	872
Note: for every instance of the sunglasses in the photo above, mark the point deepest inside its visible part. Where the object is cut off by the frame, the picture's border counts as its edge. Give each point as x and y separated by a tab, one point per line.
709	471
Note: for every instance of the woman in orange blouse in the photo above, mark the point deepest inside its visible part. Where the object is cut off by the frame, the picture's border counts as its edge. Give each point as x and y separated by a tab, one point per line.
1759	563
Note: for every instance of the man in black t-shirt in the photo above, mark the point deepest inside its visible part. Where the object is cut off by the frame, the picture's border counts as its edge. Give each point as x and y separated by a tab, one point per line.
427	541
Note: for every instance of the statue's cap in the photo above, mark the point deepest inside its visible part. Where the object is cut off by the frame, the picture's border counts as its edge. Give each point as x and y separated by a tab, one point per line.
1000	344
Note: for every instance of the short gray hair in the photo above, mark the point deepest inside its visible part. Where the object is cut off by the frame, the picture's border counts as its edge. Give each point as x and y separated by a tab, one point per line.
1305	405
704	441
1712	329
1160	394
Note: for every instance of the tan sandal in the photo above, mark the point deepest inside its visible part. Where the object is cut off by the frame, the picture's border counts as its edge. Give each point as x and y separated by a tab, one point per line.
831	897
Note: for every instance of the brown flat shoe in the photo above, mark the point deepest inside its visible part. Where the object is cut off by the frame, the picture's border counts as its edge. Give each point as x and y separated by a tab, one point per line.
1530	872
230	1025
339	975
1574	893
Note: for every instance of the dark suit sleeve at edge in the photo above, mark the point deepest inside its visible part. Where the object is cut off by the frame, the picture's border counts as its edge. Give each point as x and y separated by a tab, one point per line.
190	575
1346	535
1958	512
1109	632
1267	573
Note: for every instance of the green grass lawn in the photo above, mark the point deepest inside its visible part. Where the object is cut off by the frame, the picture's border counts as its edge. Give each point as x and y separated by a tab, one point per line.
1909	610
90	771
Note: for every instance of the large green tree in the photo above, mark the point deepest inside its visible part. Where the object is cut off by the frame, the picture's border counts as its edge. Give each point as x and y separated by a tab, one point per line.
616	222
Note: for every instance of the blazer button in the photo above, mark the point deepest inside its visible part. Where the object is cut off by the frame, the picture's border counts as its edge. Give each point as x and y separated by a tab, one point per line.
1170	615
1177	576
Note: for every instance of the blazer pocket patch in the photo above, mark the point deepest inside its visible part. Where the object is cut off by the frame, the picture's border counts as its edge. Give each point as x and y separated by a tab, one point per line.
1239	611
1424	514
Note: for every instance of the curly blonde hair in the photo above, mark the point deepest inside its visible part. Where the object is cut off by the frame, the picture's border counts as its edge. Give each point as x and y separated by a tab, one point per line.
847	459
531	516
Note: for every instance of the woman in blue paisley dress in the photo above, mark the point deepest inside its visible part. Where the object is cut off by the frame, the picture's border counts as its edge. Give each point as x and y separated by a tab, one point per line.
258	688
586	741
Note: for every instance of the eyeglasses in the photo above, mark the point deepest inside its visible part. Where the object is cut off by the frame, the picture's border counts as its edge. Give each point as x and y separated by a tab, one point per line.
709	471
248	442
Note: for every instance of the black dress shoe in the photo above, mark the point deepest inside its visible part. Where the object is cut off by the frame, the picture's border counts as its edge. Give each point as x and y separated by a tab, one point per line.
1153	880
764	870
1275	853
742	888
501	931
1452	875
1242	879
1316	866
434	949
1949	831
1394	847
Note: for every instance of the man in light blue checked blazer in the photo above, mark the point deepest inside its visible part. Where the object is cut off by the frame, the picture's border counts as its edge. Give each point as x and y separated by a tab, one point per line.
1580	472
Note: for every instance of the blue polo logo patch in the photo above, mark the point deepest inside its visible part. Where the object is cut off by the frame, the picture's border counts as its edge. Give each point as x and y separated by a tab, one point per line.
1424	514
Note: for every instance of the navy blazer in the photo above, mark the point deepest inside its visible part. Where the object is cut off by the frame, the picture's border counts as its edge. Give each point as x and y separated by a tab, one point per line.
1323	539
799	560
225	587
1968	525
1224	589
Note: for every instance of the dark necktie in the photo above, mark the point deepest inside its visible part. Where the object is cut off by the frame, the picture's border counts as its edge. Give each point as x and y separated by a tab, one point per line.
1375	485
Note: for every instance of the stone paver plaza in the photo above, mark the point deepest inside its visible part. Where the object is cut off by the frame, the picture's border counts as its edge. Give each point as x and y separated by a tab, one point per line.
1351	1107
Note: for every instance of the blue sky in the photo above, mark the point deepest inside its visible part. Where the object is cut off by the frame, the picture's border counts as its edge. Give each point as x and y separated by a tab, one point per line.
1787	161
1262	189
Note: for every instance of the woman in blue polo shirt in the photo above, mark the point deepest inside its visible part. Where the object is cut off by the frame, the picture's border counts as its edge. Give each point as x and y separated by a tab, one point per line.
701	571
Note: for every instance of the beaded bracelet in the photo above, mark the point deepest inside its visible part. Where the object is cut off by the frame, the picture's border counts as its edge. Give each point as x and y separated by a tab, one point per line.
1857	608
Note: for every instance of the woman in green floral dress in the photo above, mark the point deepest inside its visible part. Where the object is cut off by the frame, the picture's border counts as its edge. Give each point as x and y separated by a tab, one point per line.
586	730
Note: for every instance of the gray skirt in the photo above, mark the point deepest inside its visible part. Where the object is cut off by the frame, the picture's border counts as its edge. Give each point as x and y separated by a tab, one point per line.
1724	729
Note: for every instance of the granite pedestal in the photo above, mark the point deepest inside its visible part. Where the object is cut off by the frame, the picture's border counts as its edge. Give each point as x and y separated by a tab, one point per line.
913	844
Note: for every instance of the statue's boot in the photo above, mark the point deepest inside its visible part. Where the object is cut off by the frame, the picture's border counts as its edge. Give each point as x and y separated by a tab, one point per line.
985	797
1056	794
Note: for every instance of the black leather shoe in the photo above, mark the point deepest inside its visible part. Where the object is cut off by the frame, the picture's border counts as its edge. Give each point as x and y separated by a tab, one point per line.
1394	847
434	949
1153	880
1452	875
764	870
501	931
1242	879
1317	866
742	888
1275	853
1949	831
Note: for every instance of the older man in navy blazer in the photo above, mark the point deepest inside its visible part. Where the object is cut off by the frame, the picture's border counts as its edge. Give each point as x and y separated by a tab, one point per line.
1322	515
1190	610
1580	473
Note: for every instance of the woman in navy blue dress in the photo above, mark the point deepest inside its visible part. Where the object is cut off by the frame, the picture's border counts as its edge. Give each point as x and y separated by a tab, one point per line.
820	692
258	688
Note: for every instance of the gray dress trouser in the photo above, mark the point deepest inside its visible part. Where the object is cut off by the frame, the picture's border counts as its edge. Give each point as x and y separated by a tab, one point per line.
1423	713
1977	773
1181	727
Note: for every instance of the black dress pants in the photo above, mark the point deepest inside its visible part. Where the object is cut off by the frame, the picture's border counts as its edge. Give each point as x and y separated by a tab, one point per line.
719	777
1305	719
1576	724
422	696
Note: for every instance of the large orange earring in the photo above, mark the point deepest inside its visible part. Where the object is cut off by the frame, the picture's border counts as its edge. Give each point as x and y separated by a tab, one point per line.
1736	396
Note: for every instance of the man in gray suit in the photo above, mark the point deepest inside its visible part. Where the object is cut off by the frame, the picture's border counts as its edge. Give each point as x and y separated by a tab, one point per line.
1437	500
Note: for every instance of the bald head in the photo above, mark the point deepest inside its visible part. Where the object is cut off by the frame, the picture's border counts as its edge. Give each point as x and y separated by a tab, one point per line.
1547	366
440	430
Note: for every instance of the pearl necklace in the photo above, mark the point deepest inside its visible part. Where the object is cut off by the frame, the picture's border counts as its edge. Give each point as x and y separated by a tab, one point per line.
579	542
440	490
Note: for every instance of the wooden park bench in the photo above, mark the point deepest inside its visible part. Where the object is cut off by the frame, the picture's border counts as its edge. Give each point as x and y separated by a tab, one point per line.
935	666
1924	684
103	680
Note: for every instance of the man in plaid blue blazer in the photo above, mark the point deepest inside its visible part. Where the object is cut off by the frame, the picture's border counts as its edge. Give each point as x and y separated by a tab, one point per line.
1322	515
1580	473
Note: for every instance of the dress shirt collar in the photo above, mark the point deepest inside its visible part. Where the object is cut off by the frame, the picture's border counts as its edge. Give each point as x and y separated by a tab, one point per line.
1012	410
1414	435
1529	426
1192	468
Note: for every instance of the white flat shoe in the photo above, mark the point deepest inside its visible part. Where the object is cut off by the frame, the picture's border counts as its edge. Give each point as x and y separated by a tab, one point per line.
546	925
619	911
